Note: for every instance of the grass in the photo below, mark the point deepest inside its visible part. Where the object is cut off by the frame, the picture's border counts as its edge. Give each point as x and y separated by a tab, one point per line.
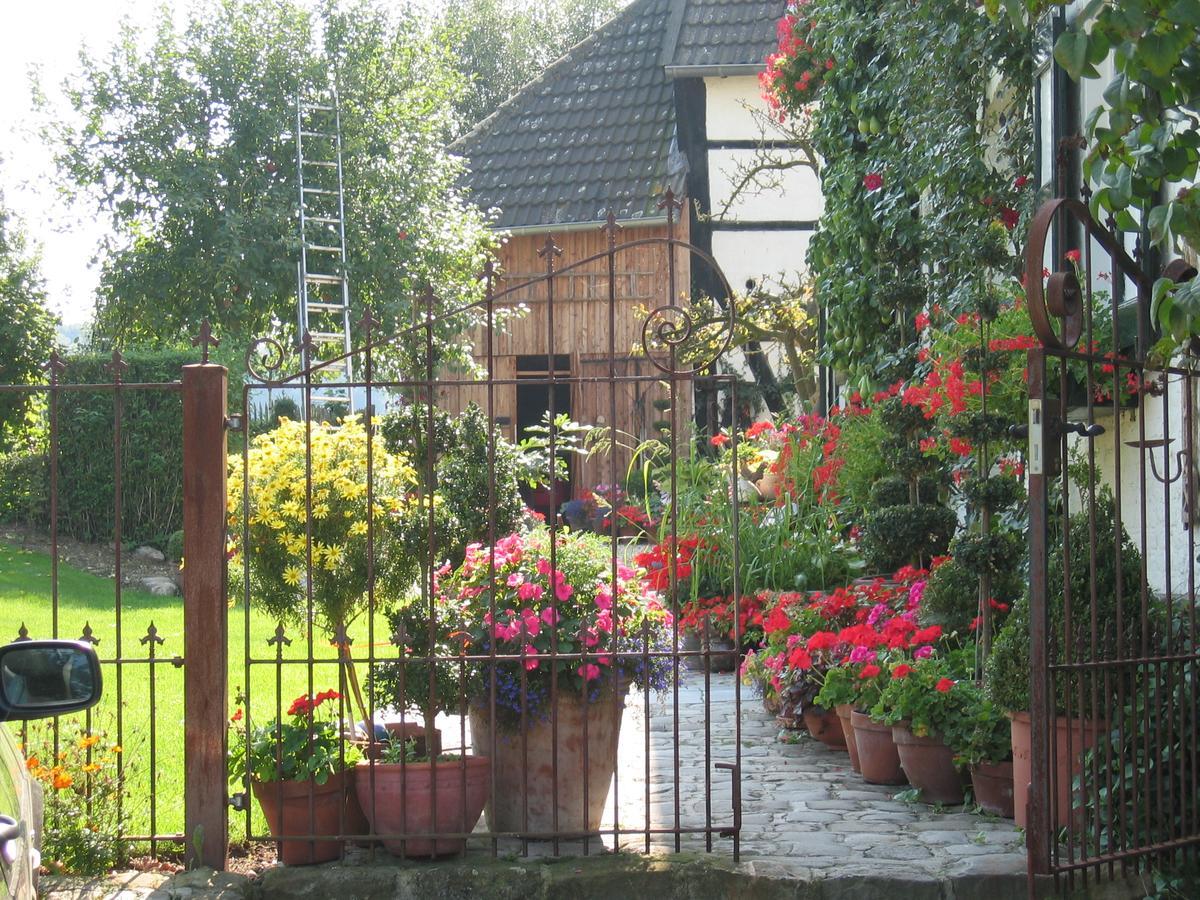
142	707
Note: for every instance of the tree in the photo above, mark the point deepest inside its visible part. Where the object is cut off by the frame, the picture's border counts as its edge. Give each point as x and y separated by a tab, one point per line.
27	327
501	45
186	144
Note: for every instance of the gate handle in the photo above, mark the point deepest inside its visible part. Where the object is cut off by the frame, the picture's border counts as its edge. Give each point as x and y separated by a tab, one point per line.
1020	432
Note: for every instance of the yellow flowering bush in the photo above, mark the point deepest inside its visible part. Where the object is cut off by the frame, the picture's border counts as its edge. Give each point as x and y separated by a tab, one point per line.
83	792
283	533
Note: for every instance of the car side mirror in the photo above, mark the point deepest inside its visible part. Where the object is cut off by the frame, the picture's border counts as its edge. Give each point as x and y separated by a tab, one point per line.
47	678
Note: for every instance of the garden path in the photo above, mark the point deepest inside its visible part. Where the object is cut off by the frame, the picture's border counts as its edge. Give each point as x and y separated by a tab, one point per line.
805	813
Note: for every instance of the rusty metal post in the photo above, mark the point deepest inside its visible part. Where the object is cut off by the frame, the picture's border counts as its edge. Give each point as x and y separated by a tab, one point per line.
1037	826
205	625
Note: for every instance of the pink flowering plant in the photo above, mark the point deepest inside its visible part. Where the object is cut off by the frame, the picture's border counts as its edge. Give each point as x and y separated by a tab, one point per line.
570	619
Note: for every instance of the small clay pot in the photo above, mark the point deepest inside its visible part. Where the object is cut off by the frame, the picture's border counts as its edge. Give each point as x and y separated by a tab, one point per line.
929	765
825	726
993	786
843	711
304	808
877	754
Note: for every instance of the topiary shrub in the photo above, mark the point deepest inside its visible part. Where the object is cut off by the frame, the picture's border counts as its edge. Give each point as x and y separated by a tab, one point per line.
896	536
951	598
895	491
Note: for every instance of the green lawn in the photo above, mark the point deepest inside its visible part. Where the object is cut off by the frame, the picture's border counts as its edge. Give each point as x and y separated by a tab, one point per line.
84	599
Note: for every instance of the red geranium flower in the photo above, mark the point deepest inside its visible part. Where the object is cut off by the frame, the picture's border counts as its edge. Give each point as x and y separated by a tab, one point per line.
1073	256
901	671
719	440
872	181
869	671
944	685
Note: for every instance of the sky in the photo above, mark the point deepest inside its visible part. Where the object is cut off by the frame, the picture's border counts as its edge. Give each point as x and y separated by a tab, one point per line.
49	34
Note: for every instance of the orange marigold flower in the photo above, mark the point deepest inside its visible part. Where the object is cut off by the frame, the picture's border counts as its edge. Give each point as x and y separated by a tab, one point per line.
62	781
92	768
90	740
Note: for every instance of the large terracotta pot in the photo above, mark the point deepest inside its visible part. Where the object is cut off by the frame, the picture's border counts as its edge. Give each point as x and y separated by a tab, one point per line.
993	786
825	726
1083	735
307	808
877	754
768	486
929	765
400	799
523	765
843	713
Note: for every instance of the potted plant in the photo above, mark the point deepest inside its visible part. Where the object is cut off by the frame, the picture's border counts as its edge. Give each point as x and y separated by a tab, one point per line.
707	627
568	637
301	773
926	707
839	692
1008	667
984	745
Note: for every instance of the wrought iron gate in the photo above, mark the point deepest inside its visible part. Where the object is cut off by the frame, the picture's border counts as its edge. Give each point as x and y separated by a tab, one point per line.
384	666
1114	658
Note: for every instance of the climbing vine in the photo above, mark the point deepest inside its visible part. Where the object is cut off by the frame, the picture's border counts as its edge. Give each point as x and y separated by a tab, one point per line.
925	162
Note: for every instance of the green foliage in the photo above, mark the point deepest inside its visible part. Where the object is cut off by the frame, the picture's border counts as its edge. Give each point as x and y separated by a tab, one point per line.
501	45
860	448
1143	136
182	138
921	156
997	553
464	474
898	535
25	488
894	491
26	329
986	735
151	450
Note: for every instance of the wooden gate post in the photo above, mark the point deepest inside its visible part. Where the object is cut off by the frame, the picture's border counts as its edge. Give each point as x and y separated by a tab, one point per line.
205	616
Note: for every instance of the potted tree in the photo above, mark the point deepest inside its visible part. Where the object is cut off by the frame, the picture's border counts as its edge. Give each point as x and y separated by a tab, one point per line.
1008	666
568	636
300	773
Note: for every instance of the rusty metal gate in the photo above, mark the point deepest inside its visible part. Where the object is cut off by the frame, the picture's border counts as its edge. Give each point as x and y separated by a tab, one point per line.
1114	779
499	656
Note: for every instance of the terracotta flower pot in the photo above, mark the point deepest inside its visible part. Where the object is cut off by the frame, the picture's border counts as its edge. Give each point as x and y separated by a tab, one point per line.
929	765
523	764
307	808
402	799
722	658
843	713
993	786
768	486
1083	735
825	726
877	754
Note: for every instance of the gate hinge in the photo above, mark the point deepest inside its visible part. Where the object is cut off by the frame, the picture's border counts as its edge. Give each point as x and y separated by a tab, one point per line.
236	422
238	801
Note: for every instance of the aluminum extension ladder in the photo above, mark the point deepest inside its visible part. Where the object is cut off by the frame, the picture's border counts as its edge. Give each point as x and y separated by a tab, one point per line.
324	287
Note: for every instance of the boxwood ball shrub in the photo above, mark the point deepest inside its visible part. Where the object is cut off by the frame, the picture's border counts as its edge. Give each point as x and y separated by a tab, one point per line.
898	535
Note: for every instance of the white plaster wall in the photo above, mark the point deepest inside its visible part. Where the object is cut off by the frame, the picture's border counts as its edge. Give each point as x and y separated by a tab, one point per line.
1169	546
789	195
728	106
759	254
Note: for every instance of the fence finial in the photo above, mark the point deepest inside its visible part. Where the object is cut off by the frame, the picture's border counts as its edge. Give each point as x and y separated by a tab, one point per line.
205	340
611	228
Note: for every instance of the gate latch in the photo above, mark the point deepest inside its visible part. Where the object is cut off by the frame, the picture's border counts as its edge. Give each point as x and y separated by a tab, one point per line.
1045	431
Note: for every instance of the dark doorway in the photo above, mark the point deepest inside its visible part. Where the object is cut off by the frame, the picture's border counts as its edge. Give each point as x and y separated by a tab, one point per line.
533	402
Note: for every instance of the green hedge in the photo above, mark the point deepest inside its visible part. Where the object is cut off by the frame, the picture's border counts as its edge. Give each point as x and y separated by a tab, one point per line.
151	450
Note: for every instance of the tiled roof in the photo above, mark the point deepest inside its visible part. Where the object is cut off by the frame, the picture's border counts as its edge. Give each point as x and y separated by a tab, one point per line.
595	129
725	33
